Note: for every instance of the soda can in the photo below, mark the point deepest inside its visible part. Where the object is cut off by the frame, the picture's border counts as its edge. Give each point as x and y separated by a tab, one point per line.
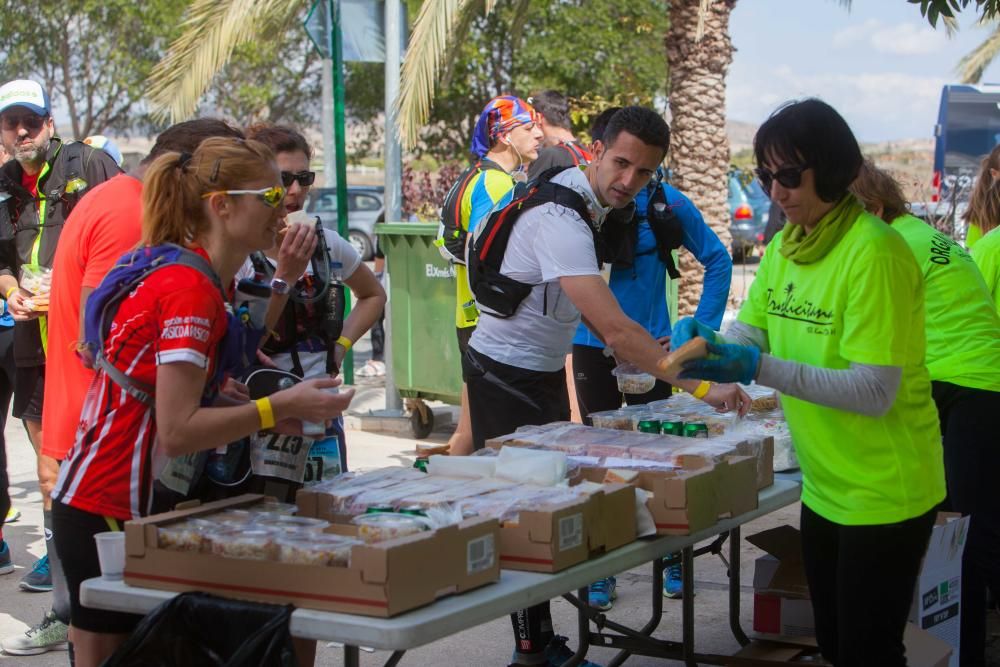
648	426
380	509
672	427
695	430
413	510
420	464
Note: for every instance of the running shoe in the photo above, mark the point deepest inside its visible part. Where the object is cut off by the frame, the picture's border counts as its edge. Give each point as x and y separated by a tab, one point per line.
673	586
39	580
603	593
6	565
49	635
13	514
558	653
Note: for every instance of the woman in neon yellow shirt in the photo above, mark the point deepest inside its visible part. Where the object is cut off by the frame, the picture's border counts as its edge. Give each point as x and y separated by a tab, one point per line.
963	358
835	321
978	218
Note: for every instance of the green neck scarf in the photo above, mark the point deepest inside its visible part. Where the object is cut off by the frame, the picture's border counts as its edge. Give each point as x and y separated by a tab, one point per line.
804	248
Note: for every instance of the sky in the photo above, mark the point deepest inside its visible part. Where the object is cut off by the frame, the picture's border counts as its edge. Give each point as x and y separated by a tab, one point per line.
881	64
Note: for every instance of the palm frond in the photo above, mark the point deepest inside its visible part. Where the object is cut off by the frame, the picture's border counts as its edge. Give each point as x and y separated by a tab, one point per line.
210	32
971	67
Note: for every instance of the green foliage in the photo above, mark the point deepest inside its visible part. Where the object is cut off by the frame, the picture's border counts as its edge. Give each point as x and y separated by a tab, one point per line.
597	52
946	9
92	55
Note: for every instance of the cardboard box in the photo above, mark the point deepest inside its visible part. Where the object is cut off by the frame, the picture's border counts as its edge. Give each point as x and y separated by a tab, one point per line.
383	579
937	599
550	540
922	650
614	522
737	486
683	501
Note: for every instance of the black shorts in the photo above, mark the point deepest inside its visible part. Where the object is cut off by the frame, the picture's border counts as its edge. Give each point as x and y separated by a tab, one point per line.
464	335
597	388
29	392
73	531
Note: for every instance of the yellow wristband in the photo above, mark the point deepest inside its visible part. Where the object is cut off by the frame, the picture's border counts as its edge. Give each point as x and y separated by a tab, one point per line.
265	412
702	389
9	292
344	342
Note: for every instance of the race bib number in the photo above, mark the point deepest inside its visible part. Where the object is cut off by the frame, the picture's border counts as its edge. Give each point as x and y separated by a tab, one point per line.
181	472
281	456
324	460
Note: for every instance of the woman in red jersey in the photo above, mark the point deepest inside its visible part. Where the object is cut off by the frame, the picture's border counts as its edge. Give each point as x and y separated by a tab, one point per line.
224	202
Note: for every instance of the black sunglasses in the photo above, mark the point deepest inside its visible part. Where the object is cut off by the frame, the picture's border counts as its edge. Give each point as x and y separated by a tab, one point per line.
789	177
31	121
305	178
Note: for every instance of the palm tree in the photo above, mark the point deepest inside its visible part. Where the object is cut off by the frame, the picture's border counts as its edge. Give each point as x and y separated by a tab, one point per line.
971	67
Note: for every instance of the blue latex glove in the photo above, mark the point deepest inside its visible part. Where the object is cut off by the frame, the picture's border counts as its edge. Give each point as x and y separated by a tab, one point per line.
687	328
725	363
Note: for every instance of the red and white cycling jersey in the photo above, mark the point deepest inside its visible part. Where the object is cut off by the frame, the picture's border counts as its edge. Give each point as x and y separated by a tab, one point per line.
175	315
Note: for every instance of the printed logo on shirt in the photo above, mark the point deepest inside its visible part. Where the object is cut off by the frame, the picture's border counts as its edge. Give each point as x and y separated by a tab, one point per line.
198	328
790	307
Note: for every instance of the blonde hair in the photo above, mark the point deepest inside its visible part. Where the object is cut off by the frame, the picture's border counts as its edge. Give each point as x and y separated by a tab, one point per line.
172	208
877	188
979	212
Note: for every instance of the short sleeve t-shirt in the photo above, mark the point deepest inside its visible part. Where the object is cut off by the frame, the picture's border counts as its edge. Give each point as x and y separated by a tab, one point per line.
481	195
986	254
105	225
312	353
963	328
176	315
863	303
548	242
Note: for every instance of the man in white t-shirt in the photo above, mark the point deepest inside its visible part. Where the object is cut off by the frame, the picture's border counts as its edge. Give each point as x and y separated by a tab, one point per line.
515	365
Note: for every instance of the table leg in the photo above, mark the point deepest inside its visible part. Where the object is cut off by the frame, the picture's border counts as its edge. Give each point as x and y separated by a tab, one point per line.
351	656
583	629
654	619
687	606
394	658
734	587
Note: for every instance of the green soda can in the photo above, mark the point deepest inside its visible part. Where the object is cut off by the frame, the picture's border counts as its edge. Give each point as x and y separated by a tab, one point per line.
413	510
672	428
420	464
380	509
695	430
648	426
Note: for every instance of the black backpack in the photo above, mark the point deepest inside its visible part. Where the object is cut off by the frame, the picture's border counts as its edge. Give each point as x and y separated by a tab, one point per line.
666	227
503	295
451	235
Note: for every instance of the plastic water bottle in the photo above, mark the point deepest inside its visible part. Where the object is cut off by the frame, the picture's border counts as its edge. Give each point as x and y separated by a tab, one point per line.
333	318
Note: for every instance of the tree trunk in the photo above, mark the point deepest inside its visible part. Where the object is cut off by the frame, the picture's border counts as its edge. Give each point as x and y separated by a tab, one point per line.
699	146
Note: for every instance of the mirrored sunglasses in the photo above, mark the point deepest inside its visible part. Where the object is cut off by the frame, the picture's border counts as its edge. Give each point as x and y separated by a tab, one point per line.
271	196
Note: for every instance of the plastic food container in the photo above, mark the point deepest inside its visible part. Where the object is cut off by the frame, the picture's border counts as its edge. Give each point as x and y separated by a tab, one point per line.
616	419
274	507
285	523
252	544
241	519
631	380
36	279
374	528
306	548
184	536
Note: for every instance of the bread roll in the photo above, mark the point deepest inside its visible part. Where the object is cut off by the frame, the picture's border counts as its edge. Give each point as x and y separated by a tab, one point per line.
672	364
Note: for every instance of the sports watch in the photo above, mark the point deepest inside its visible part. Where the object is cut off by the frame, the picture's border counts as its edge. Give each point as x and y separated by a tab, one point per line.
279	287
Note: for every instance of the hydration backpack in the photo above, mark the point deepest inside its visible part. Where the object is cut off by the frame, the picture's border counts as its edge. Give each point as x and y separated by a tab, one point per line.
451	235
238	347
665	225
500	294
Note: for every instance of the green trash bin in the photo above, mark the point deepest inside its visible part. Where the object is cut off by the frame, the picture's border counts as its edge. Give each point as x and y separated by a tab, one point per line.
425	357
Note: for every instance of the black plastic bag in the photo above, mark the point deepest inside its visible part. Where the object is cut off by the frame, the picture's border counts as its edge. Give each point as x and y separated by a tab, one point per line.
202	630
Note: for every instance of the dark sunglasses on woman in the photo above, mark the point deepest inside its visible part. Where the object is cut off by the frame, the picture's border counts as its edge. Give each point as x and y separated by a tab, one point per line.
305	178
789	177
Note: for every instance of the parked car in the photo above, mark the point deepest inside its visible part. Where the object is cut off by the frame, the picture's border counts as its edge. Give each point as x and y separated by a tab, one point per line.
748	215
364	206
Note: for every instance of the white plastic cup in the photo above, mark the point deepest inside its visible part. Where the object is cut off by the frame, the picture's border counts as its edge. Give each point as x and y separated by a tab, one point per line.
111	554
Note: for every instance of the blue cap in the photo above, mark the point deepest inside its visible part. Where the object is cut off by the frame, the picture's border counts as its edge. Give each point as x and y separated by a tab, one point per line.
101	142
27	94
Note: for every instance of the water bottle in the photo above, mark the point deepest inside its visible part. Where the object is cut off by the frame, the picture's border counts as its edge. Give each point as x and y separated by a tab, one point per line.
333	317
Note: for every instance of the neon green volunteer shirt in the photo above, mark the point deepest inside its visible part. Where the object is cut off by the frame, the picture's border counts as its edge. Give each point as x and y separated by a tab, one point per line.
987	257
863	303
963	329
972	235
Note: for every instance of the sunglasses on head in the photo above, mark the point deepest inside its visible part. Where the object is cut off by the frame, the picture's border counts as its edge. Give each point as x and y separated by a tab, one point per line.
30	121
305	178
271	196
788	177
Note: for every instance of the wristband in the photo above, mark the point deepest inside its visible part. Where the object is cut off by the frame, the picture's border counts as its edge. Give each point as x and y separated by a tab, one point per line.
265	412
9	292
344	342
702	389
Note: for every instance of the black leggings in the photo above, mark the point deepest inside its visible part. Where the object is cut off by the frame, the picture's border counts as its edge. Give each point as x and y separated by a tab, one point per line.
597	388
861	581
971	462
